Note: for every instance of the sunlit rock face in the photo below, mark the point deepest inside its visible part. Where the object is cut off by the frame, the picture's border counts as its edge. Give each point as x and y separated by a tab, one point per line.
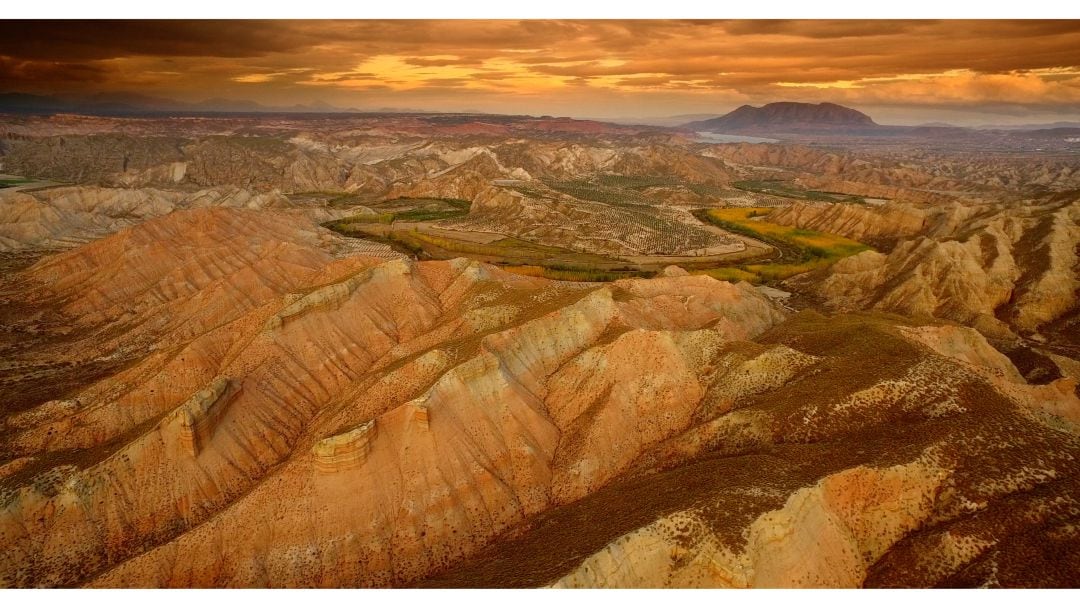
400	416
1011	269
204	385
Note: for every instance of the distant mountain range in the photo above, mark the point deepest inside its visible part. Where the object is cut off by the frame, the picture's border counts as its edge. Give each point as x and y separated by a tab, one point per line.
829	121
1031	127
1034	126
134	103
780	120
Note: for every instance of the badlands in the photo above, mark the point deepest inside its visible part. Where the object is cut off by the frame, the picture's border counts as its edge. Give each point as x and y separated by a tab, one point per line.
427	350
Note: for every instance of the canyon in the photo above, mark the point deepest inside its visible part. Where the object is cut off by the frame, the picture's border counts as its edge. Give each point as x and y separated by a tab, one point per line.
464	350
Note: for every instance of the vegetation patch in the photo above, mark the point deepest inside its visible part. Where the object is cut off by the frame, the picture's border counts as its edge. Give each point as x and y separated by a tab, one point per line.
787	189
512	254
636	182
598	192
7	183
571	273
620	190
801	250
345	222
731	274
407	210
450	208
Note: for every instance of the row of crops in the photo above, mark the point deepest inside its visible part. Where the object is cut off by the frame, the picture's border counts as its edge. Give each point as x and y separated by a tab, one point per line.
787	189
625	214
409	210
649	231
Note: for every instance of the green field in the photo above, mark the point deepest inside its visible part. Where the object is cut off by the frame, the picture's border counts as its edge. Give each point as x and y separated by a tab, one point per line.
576	274
635	182
787	189
606	194
628	189
797	250
801	250
408	210
640	183
7	183
513	254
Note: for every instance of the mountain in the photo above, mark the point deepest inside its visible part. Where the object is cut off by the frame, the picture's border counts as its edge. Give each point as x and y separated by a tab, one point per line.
1039	126
121	101
100	104
219	104
666	121
26	103
787	117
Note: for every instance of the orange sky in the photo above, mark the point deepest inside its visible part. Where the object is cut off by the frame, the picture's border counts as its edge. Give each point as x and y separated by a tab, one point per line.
898	71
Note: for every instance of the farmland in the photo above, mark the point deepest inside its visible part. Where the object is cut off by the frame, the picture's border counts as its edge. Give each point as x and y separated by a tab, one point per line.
787	189
7	181
520	256
409	210
800	250
622	218
629	235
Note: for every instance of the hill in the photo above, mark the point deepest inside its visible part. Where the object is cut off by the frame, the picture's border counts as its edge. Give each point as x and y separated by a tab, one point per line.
787	116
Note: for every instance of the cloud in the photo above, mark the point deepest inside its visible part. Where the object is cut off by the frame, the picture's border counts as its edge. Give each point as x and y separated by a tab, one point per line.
15	73
62	40
258	78
957	88
590	63
437	61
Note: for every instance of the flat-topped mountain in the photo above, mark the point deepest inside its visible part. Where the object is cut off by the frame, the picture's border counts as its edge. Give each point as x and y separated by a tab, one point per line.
786	116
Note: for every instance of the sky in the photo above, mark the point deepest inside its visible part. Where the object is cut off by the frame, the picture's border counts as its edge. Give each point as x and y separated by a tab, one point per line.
899	72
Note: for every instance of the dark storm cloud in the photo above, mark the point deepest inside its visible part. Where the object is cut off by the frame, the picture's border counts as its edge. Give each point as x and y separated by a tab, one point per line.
14	72
91	40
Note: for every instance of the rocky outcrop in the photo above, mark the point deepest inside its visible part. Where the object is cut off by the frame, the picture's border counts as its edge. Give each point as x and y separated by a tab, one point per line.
401	440
786	115
328	295
200	416
478	428
431	437
1051	284
859	222
965	344
59	218
825	536
1010	271
345	451
833	471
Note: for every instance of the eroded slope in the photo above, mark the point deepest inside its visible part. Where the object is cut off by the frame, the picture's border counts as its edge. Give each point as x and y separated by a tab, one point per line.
290	413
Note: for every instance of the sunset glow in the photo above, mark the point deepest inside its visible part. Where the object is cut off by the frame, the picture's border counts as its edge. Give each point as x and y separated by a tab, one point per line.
908	70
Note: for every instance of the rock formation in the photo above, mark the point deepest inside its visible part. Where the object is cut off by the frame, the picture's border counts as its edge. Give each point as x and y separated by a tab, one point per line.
279	426
202	387
1008	270
859	222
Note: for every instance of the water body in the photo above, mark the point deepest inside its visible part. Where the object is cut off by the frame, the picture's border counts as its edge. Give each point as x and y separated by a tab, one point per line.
722	138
